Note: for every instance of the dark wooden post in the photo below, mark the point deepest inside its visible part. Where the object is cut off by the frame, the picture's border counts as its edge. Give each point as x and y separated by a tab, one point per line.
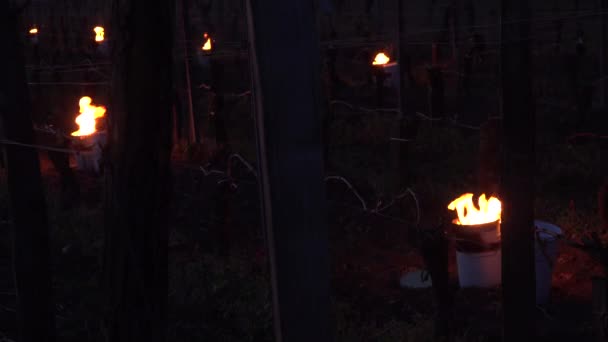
31	251
600	306
138	174
603	52
602	202
286	78
404	65
517	183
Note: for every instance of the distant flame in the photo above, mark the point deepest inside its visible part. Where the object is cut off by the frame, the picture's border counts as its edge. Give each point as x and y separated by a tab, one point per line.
489	210
207	46
88	114
381	59
99	33
33	30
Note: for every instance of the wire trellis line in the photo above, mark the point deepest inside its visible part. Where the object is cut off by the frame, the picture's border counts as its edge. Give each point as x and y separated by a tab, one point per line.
38	147
68	83
363	109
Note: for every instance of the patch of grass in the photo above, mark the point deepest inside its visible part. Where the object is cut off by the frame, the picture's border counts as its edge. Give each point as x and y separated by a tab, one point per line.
221	299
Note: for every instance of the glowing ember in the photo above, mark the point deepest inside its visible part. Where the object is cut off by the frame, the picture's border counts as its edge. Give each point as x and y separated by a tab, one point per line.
33	30
489	210
99	33
88	114
381	59
207	45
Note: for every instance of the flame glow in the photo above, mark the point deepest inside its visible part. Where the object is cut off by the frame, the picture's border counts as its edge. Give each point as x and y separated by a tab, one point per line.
88	114
207	46
381	59
33	30
99	33
489	210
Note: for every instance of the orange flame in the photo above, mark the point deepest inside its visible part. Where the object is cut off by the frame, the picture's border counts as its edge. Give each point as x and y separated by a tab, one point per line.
489	210
381	59
99	33
88	114
207	46
33	30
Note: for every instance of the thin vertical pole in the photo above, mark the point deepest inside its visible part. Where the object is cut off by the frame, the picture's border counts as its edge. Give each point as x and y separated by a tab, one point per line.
182	13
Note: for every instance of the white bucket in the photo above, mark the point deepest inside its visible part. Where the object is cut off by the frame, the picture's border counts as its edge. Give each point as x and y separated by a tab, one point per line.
478	255
479	269
89	160
546	249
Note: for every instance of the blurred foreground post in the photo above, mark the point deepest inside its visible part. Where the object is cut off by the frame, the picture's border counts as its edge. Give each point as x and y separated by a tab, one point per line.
517	182
31	250
286	78
138	174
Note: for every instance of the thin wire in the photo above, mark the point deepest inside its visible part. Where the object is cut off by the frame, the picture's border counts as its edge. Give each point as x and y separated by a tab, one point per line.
450	121
38	147
364	109
67	83
65	66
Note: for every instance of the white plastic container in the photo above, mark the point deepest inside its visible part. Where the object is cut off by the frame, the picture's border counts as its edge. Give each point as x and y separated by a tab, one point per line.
479	269
88	157
546	249
478	254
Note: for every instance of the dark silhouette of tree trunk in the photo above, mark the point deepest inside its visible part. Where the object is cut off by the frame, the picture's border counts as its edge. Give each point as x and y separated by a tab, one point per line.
138	173
31	252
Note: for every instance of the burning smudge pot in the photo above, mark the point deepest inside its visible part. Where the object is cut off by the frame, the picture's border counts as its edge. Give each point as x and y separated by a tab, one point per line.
386	73
478	254
88	141
477	239
205	51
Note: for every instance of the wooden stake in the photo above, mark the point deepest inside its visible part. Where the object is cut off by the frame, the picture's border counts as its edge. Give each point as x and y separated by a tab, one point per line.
286	77
182	13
